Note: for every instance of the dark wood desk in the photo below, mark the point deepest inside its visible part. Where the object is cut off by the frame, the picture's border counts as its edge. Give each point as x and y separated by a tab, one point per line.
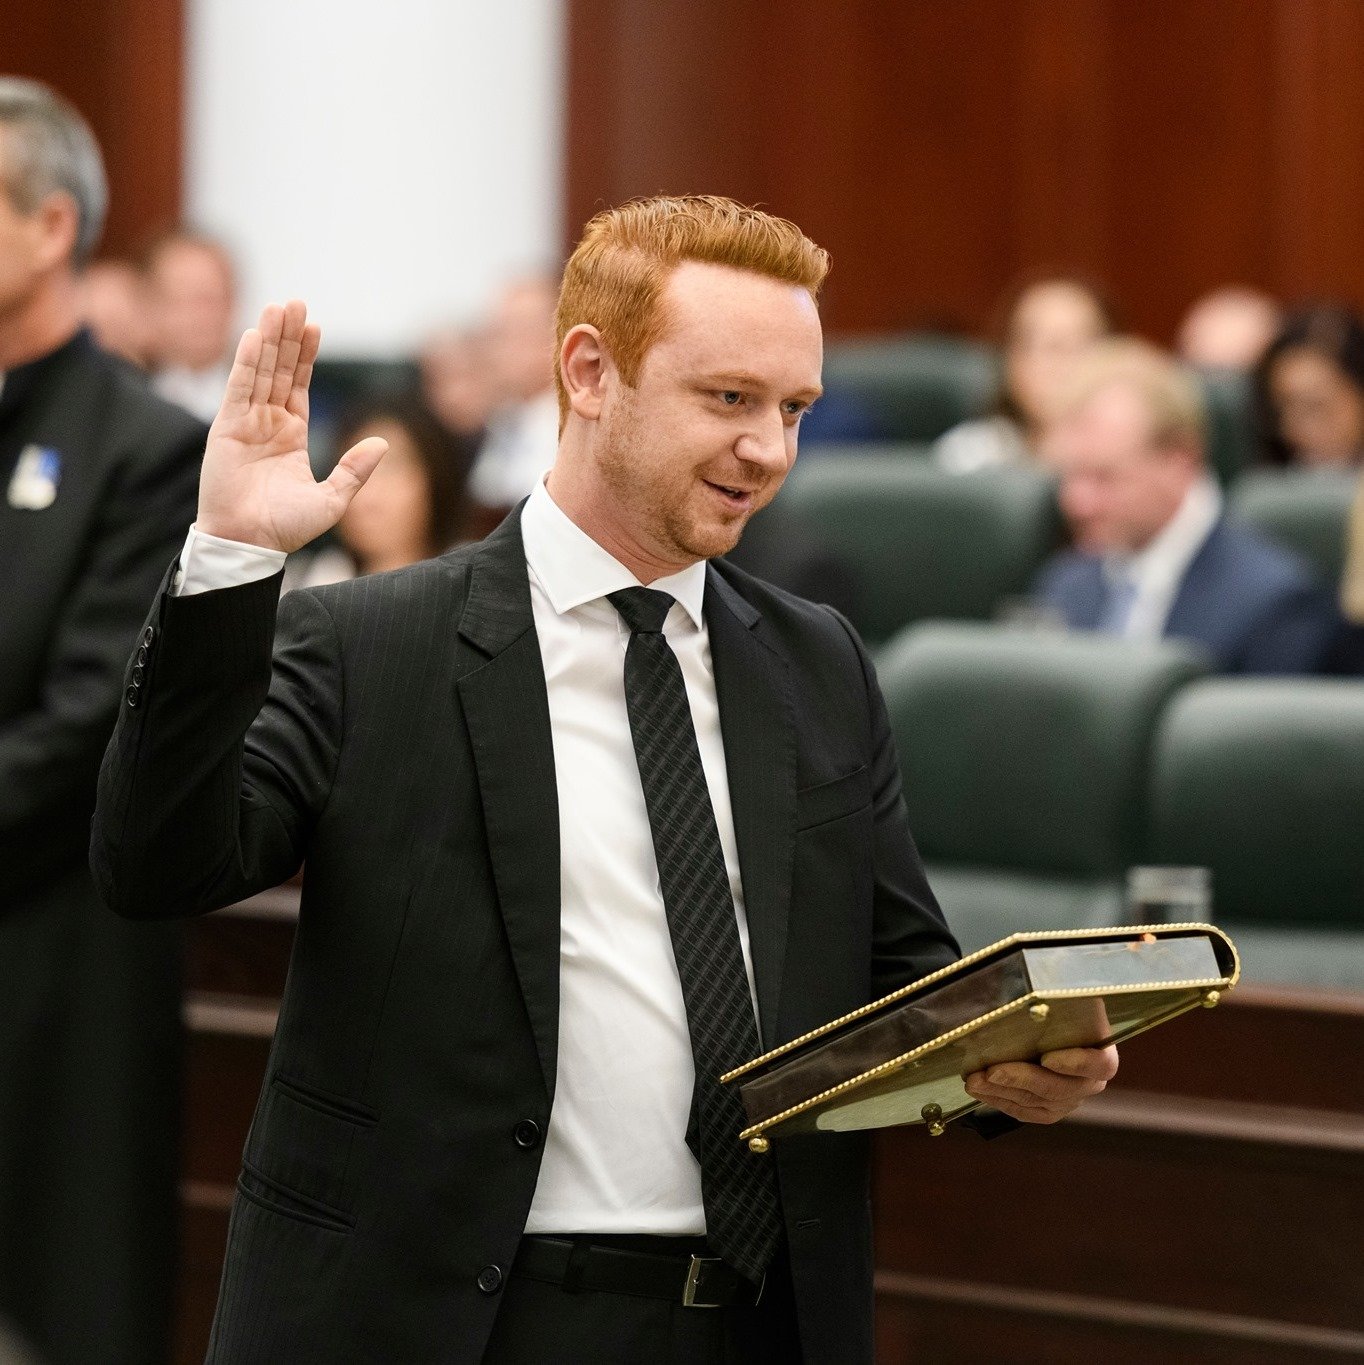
1209	1207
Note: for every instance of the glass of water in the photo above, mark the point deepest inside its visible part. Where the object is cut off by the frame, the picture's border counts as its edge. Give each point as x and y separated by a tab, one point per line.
1169	895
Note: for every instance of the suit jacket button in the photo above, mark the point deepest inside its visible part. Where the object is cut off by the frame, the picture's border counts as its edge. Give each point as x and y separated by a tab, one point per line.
527	1133
138	675
148	635
142	655
490	1279
133	697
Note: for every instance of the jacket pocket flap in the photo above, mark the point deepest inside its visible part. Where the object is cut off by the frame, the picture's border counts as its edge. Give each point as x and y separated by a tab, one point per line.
303	1143
832	800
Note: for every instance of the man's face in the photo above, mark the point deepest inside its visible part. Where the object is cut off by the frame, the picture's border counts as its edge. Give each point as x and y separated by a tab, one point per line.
1118	489
708	434
22	240
190	295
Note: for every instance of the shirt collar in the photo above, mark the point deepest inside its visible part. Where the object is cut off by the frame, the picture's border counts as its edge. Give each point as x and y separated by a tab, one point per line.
573	569
1164	561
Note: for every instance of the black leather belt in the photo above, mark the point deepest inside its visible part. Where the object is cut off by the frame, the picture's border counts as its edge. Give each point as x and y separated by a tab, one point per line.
580	1264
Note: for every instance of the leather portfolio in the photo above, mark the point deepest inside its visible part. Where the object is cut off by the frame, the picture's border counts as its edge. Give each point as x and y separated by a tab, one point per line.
902	1059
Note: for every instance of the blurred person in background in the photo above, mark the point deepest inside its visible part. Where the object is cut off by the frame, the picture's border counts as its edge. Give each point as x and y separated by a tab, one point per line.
114	308
192	303
414	506
523	430
1352	583
1228	329
457	380
1049	326
1309	390
1154	555
100	482
1350	658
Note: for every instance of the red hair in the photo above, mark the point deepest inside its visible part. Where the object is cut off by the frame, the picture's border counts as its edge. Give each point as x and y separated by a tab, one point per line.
614	280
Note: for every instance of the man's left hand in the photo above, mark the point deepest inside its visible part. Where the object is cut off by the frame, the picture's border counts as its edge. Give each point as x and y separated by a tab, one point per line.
1048	1091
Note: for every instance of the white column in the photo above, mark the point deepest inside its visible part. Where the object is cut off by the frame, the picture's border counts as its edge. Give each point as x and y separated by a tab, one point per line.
388	161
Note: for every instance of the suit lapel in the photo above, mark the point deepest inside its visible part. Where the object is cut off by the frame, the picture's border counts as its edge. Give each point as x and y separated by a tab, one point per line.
506	709
1194	604
758	727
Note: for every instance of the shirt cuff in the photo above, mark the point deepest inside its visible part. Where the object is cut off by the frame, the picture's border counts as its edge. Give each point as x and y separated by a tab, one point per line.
208	563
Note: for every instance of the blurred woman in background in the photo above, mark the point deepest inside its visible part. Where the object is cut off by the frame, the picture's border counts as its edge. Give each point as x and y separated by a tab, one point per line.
1309	390
1048	327
414	505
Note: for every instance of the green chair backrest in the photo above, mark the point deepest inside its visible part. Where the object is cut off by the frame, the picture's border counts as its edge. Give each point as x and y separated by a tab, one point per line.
915	386
1025	762
919	542
1262	780
1305	511
1028	750
1231	427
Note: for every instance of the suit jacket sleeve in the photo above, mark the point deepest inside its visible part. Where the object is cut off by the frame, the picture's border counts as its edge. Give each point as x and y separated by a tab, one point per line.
215	775
1296	637
50	753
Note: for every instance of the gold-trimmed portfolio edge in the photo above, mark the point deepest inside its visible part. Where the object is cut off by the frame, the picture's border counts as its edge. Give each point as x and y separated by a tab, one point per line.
1196	991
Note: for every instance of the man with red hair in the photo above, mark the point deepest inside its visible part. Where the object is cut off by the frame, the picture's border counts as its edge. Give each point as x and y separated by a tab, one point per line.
587	820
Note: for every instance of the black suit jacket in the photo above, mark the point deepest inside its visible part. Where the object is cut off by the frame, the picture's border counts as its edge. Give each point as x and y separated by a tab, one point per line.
402	743
89	1008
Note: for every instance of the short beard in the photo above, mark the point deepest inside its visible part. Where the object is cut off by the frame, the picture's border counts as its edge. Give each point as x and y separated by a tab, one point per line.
660	520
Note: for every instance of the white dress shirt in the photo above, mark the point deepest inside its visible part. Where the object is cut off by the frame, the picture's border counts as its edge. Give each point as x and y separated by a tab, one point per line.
1157	570
615	1156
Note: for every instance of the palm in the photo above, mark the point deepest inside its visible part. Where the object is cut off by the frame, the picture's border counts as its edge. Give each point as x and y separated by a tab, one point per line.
257	485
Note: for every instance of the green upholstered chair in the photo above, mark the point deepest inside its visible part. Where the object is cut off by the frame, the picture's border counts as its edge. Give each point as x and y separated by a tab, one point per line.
919	542
1305	511
1231	432
1026	762
915	386
1263	782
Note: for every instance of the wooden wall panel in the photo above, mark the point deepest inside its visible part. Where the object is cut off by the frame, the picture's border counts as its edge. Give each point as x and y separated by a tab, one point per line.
120	62
941	151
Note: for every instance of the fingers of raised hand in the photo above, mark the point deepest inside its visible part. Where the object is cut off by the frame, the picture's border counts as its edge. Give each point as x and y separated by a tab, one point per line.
242	378
290	348
271	328
297	402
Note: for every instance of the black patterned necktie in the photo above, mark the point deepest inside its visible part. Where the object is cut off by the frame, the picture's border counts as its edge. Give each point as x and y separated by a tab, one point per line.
738	1188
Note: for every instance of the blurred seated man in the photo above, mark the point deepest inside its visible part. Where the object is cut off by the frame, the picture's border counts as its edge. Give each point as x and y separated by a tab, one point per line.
523	431
97	483
1048	326
192	300
1154	554
457	380
1228	329
114	307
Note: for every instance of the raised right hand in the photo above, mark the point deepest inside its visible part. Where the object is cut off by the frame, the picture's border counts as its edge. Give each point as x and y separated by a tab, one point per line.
256	485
